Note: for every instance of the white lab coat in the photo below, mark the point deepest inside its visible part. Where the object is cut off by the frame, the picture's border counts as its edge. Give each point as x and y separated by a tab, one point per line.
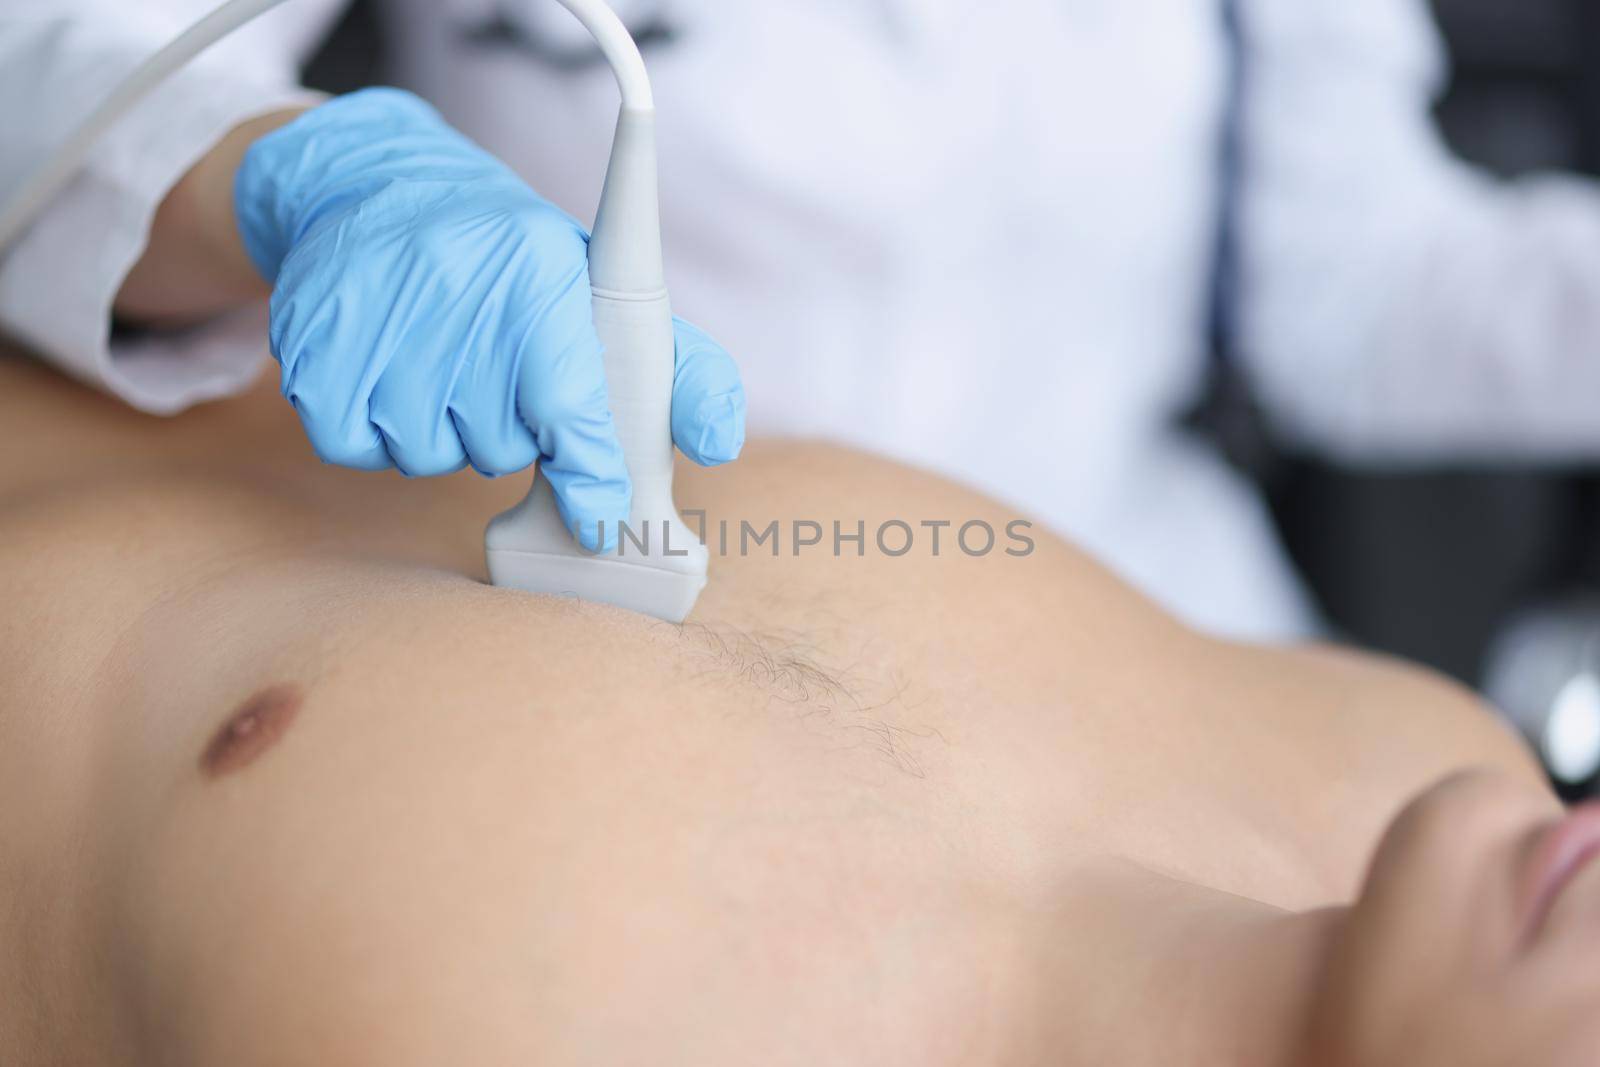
976	238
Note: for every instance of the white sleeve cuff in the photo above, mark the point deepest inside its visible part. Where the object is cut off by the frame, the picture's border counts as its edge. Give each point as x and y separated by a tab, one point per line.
59	282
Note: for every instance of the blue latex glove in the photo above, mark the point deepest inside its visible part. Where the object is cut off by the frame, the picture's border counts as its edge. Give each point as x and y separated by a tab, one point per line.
431	311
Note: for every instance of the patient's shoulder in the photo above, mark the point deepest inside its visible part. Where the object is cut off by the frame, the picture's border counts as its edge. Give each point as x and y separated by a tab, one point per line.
792	475
1425	720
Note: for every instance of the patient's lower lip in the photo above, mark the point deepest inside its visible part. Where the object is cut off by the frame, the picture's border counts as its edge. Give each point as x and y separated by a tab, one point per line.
1563	852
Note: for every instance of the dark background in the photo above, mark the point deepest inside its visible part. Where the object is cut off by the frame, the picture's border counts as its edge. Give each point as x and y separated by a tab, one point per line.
1427	566
1432	566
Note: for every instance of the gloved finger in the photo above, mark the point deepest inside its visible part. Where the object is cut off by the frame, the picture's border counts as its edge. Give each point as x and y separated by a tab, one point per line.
409	409
340	437
423	454
485	412
708	403
561	395
331	402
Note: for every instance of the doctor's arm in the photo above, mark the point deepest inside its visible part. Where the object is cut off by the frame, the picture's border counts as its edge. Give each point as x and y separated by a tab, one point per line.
194	266
428	311
60	280
1393	303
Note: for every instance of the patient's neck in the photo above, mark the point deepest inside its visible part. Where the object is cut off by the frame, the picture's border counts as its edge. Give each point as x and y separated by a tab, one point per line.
1142	968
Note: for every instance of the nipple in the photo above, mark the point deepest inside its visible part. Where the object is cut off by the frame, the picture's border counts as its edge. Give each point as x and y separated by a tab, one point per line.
256	726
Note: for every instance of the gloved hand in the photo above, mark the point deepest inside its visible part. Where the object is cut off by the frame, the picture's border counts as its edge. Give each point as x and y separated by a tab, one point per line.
431	311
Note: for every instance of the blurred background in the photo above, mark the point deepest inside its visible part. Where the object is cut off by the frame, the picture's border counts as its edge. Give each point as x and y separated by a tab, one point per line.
1492	576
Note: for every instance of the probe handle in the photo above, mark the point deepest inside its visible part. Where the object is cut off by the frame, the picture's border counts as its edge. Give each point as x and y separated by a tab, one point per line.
640	357
660	565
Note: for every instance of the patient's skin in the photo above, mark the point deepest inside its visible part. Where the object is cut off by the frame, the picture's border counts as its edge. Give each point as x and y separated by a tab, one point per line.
283	782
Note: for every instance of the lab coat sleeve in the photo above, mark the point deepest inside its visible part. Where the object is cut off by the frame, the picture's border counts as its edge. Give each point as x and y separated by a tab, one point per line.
58	60
1393	303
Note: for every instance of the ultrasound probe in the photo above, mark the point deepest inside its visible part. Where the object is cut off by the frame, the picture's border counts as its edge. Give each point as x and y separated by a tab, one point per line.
659	567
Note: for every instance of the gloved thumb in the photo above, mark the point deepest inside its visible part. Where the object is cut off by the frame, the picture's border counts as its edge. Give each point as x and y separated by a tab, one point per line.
708	403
